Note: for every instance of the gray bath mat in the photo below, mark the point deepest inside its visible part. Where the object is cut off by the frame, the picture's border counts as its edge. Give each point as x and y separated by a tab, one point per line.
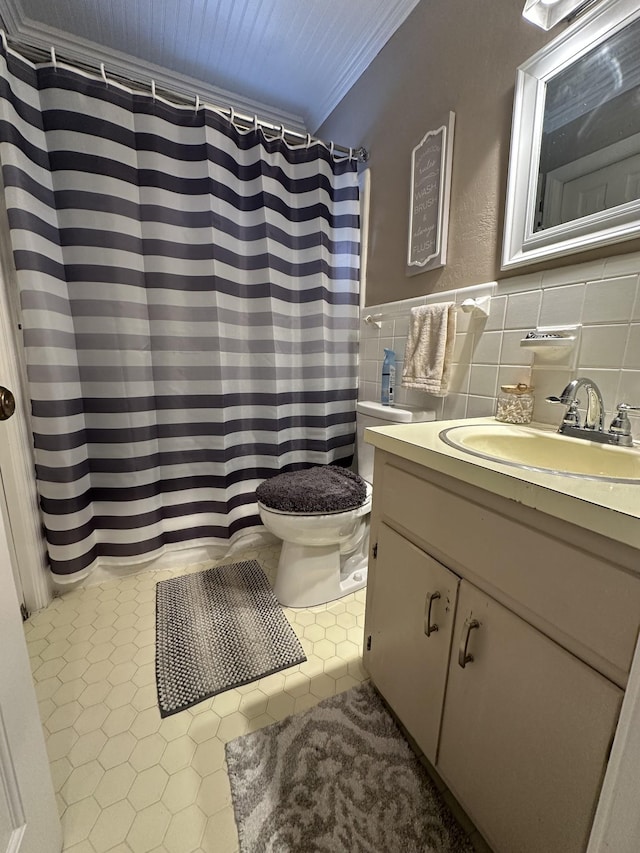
218	629
339	778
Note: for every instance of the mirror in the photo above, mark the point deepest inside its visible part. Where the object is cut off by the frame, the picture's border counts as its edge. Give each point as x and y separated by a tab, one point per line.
574	169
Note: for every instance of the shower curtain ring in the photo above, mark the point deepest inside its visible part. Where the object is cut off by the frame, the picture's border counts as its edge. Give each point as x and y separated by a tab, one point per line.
281	134
255	122
308	142
331	147
153	89
232	115
197	102
53	58
103	73
3	36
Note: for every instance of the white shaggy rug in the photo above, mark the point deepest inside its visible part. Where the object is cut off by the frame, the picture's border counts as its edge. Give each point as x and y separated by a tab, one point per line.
339	778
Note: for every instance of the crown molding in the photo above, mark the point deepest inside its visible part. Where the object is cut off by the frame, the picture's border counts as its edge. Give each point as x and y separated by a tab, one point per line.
358	62
76	49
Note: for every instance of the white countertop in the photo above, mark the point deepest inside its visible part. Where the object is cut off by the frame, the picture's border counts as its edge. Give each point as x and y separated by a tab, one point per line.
609	508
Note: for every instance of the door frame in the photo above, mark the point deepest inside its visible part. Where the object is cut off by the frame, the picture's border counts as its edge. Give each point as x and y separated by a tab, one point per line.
16	449
30	820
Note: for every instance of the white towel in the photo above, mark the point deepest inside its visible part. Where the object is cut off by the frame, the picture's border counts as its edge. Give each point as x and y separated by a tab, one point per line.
429	351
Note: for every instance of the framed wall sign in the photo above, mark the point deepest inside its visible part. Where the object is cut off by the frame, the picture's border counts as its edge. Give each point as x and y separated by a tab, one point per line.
430	191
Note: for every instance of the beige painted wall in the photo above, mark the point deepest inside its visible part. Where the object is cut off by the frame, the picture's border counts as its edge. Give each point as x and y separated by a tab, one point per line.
448	55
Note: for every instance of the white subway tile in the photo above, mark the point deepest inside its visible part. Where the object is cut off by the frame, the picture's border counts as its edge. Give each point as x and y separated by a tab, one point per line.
397	308
401	327
459	379
610	300
621	265
454	407
486	357
632	351
513	374
562	305
512	352
371	349
368	332
384	343
486	348
399	345
369	371
572	275
368	391
495	320
523	310
519	283
473	291
629	388
463	348
483	380
602	346
480	407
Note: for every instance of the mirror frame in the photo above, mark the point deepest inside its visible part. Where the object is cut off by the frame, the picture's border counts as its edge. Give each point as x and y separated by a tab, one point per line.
522	245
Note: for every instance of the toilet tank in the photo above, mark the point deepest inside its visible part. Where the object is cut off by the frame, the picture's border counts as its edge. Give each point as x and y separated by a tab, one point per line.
373	414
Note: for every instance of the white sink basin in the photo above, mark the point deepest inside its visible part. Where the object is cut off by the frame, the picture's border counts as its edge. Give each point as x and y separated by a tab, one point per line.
538	450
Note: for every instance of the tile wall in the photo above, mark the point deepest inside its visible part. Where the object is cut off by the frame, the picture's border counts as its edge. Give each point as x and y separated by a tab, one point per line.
602	298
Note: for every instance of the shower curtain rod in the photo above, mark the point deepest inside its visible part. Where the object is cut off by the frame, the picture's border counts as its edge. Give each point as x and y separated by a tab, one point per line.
239	119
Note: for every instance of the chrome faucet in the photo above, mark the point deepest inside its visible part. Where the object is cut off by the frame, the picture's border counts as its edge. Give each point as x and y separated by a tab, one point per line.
592	429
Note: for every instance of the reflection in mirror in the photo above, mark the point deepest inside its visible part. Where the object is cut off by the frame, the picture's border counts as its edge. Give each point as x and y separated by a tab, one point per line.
590	149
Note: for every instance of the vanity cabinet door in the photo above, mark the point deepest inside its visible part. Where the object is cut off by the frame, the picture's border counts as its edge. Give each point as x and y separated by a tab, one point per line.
411	629
526	730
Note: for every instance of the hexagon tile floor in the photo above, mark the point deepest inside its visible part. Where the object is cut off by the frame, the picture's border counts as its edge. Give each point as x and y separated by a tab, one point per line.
127	781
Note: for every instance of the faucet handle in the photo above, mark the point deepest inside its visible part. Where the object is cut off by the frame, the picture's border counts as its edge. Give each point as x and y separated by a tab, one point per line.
621	425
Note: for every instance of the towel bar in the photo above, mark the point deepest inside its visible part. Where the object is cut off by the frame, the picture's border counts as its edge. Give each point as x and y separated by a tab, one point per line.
480	305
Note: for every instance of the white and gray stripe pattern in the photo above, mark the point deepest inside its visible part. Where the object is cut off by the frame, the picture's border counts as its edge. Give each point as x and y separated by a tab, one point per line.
189	301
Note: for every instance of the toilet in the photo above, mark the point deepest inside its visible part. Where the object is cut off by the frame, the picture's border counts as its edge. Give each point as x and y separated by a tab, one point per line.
324	555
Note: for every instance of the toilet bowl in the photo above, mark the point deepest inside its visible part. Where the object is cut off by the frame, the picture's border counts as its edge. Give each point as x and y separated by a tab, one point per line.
324	555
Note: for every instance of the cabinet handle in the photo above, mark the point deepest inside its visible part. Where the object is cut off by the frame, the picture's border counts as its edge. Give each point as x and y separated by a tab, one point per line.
463	656
428	627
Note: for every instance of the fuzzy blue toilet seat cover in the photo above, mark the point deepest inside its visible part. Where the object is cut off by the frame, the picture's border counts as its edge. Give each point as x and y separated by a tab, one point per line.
325	488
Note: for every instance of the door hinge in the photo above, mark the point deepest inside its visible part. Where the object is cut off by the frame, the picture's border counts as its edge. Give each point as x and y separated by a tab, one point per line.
375	551
24	612
369	643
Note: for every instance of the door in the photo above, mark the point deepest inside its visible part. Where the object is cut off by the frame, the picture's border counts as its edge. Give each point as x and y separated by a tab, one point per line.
581	188
28	814
525	733
413	612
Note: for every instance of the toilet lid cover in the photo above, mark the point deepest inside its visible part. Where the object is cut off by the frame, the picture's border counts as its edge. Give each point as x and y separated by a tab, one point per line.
325	488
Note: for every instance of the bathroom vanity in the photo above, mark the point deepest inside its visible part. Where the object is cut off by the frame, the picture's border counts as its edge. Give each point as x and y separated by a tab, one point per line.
503	609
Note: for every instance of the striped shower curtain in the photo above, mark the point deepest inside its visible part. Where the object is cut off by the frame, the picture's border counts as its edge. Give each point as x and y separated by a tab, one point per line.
189	305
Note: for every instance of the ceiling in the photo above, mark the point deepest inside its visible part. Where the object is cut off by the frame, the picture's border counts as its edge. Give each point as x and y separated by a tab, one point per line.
291	60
